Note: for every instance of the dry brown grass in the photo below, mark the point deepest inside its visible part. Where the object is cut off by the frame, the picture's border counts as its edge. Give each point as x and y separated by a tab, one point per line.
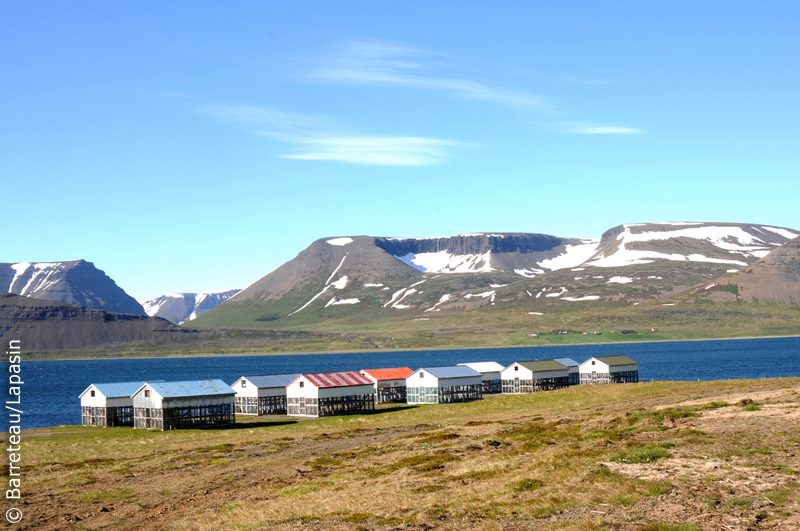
622	457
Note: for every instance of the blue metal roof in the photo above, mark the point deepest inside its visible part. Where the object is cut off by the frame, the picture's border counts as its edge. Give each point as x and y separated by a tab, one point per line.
191	388
455	371
116	390
569	362
271	380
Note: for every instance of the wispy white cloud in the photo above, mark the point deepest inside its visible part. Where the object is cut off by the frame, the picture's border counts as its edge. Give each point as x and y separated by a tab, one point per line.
584	128
392	64
322	138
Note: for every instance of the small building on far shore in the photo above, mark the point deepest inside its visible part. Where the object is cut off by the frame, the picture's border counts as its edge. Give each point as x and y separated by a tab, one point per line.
262	395
534	376
108	404
390	384
444	385
326	394
490	375
189	404
609	369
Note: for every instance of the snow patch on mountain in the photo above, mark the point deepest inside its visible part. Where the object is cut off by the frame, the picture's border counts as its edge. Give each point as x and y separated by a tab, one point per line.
182	307
579	299
788	234
619	280
444	262
573	256
442	300
335	302
340	241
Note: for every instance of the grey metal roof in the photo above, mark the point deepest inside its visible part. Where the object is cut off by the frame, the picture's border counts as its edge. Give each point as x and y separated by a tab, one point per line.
615	360
569	362
116	390
543	365
264	381
455	371
191	388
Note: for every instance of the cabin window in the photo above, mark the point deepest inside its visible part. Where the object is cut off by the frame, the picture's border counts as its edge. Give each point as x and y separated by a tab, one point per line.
244	384
92	394
422	375
516	367
301	384
592	362
147	393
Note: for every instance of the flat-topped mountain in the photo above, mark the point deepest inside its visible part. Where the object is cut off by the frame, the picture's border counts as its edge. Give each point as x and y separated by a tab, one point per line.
182	307
364	278
74	282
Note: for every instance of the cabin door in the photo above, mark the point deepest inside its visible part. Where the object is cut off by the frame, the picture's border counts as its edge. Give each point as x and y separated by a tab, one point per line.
302	406
594	377
516	385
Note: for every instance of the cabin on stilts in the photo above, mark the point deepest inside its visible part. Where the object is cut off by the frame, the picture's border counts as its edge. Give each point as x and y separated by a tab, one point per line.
329	393
190	404
262	395
574	369
390	384
108	404
444	385
534	376
490	375
609	369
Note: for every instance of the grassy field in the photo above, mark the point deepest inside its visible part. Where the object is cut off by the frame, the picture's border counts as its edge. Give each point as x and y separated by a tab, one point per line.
656	456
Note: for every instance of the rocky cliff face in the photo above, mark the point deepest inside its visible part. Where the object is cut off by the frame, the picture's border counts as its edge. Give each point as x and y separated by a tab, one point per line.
48	325
75	282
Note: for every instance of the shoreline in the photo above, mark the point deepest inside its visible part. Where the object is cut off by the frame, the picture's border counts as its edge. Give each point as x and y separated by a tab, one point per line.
411	349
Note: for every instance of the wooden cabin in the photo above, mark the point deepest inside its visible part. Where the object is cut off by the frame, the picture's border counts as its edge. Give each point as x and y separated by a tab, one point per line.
390	384
190	404
533	376
262	395
490	375
108	404
444	385
574	369
329	393
609	369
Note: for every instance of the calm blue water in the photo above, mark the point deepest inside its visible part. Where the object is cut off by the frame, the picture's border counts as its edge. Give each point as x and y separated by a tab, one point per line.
51	389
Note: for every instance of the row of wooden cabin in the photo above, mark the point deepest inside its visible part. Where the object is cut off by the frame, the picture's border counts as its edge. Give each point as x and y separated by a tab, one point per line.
171	405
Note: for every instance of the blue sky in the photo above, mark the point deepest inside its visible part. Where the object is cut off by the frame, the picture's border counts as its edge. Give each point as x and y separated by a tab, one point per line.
194	146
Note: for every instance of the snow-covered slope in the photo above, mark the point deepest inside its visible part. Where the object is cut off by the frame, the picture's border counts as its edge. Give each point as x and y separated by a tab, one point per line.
182	307
74	281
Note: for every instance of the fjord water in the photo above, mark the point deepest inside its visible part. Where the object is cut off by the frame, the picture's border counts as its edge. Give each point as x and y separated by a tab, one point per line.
51	389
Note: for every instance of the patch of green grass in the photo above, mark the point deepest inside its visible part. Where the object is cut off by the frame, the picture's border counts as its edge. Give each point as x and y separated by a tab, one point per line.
423	463
741	502
217	462
358	518
645	454
752	407
713	405
780	496
323	462
233	505
64	491
111	495
438	437
527	485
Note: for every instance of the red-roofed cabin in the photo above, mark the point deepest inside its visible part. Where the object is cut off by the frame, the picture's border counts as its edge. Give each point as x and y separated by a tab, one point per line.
390	384
326	394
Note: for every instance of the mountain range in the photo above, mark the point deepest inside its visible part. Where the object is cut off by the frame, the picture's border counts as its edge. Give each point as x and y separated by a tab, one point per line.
364	278
179	308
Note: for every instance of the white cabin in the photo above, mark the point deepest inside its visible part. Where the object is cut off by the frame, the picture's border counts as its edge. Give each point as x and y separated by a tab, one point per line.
329	393
443	385
189	404
262	395
490	375
533	376
574	369
609	369
108	404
